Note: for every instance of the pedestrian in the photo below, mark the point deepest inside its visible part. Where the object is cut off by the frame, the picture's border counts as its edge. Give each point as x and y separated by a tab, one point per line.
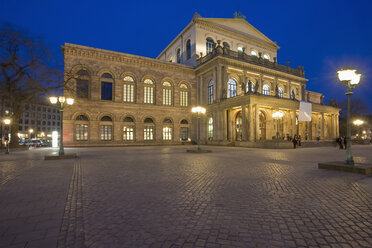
339	142
317	137
294	140
299	140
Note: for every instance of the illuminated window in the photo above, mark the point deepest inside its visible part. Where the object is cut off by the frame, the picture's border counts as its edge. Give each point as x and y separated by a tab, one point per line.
106	132
128	89
210	128
209	45
148	91
266	56
254	53
247	86
188	49
148	130
128	129
167	93
184	133
184	95
210	92
266	90
280	92
231	88
81	132
240	49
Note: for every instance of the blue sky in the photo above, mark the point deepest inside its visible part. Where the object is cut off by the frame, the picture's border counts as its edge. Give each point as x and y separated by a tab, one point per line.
322	36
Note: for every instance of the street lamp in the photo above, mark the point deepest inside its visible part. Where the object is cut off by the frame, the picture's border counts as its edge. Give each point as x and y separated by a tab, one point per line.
61	101
7	122
358	123
350	79
198	111
277	115
30	131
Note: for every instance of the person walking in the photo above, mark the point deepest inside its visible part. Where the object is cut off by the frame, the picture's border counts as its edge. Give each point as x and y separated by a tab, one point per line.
294	140
345	141
299	140
339	142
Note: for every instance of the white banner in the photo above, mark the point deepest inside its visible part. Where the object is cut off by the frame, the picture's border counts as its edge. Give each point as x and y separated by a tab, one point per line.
305	111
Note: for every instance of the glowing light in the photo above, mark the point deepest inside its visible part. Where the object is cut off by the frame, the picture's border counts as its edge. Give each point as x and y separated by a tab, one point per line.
198	110
61	99
277	115
31	130
7	121
53	99
358	122
70	101
54	139
349	75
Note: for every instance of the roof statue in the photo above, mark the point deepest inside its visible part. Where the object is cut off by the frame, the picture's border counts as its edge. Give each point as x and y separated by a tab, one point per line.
239	15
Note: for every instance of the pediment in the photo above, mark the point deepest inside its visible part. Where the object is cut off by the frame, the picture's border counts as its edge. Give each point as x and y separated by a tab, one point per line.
240	26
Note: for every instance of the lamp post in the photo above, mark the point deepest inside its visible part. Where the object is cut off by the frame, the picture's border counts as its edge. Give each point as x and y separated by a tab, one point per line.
198	111
350	79
7	122
61	102
30	132
277	115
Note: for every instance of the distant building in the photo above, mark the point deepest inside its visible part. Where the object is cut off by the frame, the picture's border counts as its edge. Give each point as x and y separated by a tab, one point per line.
225	65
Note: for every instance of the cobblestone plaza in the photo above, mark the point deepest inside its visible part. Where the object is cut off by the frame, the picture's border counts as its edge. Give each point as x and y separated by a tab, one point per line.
165	197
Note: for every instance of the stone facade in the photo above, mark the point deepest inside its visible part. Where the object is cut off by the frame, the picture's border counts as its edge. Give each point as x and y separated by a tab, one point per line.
240	91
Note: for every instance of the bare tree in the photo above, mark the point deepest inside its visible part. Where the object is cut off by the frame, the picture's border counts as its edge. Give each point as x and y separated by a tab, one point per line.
358	107
27	71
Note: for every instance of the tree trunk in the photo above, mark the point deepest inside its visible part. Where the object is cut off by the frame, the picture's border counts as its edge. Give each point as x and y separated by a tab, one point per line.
17	113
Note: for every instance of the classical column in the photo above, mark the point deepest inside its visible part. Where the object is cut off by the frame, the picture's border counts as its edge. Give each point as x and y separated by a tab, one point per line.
219	84
337	126
200	90
322	128
294	126
244	123
257	122
311	129
215	84
250	123
224	124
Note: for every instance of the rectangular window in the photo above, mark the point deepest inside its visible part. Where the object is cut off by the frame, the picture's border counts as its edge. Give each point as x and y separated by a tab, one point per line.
148	133
128	93
149	95
184	99
128	133
106	132
82	88
167	97
106	91
184	133
82	132
167	133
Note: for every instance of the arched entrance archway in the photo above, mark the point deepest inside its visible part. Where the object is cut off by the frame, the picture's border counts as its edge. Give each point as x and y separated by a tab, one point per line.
238	126
262	126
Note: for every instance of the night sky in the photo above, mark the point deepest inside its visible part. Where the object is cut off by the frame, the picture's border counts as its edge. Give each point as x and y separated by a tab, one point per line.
323	36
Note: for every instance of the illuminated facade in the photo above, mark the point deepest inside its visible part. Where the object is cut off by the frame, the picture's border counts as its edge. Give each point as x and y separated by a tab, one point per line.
225	65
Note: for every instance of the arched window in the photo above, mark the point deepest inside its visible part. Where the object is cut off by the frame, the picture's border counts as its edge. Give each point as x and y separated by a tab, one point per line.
210	92
280	92
184	95
266	90
81	128
266	56
149	129
209	45
231	88
225	44
128	89
82	84
128	129
254	53
106	86
210	128
184	132
178	55
106	128
167	93
292	94
167	129
188	49
148	91
184	122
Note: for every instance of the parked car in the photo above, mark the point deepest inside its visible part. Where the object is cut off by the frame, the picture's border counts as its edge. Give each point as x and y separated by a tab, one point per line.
36	143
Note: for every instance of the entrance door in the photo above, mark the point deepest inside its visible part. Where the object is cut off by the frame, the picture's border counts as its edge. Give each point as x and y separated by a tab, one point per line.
238	126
